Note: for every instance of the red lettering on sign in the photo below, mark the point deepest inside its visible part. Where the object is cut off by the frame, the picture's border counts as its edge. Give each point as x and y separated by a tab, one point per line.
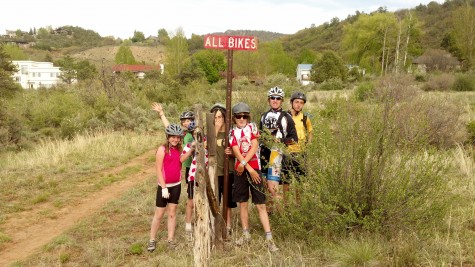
230	42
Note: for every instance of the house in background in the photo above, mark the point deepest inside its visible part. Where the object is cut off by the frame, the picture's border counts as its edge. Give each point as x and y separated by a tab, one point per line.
303	73
139	70
34	75
435	59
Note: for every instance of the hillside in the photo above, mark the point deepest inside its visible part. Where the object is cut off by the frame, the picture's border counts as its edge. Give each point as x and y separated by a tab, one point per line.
434	20
143	54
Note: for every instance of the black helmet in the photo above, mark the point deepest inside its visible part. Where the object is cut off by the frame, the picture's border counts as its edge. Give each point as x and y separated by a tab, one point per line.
218	106
298	95
187	115
241	108
174	129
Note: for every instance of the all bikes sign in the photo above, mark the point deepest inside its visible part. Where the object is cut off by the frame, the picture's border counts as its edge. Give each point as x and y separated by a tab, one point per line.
230	42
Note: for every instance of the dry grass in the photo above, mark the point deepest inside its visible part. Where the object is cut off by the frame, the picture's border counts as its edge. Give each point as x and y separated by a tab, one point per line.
146	54
54	171
88	148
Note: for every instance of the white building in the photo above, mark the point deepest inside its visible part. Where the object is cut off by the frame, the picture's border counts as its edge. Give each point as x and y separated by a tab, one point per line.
303	73
33	75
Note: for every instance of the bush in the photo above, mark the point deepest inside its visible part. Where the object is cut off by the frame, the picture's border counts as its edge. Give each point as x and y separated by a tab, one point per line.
395	88
471	132
364	91
332	84
442	82
420	77
374	168
10	128
50	109
428	120
464	82
361	179
354	75
419	119
276	80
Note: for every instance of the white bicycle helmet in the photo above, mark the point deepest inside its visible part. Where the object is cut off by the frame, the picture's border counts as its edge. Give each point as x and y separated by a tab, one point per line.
275	91
187	115
174	129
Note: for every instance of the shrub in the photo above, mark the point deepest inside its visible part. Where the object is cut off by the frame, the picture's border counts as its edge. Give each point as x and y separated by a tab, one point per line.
360	177
429	120
276	80
332	84
442	82
395	88
471	132
366	181
50	109
364	91
10	128
354	75
420	77
464	82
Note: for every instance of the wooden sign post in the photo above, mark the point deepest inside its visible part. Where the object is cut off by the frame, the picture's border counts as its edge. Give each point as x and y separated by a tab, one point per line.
229	43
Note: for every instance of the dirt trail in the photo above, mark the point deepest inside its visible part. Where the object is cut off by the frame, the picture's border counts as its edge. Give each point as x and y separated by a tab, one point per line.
28	235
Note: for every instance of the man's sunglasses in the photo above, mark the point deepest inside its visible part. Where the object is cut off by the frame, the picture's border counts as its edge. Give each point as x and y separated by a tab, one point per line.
246	117
275	97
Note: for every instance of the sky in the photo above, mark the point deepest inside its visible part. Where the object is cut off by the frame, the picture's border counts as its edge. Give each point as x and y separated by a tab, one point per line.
120	18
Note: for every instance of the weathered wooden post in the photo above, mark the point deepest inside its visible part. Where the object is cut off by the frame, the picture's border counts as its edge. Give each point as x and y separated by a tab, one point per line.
213	178
202	233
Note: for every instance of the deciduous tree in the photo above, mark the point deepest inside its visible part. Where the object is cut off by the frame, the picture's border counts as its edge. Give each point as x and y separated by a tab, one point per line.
366	41
72	71
329	66
176	53
212	63
138	37
124	56
163	37
464	31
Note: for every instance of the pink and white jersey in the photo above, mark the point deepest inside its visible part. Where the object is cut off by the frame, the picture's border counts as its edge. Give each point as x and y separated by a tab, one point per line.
192	173
242	138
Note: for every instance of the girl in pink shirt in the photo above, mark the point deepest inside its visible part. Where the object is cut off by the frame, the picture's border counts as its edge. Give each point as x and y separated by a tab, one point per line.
168	166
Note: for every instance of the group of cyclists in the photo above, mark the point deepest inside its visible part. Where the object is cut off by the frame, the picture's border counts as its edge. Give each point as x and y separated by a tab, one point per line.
256	167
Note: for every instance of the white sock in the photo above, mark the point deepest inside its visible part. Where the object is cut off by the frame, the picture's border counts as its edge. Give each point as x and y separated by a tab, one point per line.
188	226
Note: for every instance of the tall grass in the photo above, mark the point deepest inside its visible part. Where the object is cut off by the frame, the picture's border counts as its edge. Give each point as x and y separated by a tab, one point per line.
88	148
51	171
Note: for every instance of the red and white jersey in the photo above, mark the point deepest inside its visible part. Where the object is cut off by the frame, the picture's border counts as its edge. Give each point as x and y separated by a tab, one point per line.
192	173
242	138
